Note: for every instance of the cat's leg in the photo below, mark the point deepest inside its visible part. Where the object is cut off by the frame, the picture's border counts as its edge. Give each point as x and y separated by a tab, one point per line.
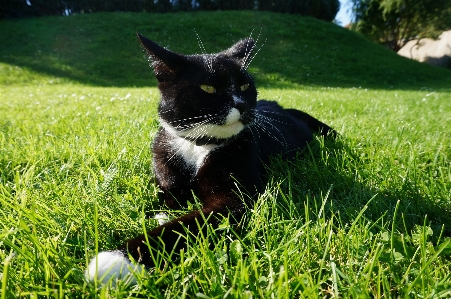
116	265
175	198
169	237
221	199
138	253
172	175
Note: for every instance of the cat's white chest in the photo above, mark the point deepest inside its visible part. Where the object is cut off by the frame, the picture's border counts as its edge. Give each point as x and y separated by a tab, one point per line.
193	155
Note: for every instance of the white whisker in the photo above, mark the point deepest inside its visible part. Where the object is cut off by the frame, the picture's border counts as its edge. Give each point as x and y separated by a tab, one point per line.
261	122
206	57
248	52
253	56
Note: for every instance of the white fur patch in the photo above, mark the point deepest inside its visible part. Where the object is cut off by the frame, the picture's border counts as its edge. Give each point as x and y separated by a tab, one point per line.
231	127
192	154
233	116
112	266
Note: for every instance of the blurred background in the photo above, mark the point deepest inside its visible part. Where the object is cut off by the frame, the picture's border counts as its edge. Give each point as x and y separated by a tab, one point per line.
392	23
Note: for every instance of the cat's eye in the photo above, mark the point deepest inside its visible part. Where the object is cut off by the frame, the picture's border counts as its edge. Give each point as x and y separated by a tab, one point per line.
244	87
207	88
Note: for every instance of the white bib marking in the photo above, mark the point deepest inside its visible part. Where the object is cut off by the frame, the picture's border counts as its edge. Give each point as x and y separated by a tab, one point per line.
193	155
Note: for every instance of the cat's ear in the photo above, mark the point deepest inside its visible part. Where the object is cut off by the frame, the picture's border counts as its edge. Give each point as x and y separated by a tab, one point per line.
164	62
241	51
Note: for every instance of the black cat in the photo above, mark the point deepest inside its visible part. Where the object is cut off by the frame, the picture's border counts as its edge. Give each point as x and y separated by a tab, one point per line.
214	141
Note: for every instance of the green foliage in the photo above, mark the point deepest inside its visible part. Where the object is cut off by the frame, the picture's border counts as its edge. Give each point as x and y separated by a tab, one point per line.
320	9
396	22
366	216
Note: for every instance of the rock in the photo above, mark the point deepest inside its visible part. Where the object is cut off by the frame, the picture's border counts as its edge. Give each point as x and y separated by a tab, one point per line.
435	52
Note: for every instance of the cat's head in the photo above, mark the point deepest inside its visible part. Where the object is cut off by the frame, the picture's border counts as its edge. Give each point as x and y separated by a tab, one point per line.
204	97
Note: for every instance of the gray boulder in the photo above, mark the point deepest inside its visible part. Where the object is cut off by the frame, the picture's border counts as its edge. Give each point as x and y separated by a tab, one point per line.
435	52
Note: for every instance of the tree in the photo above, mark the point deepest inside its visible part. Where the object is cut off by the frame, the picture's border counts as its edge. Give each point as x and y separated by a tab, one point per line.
320	9
396	22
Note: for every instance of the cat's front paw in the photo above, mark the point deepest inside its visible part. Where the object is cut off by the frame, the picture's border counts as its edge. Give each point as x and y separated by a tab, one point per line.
162	218
112	266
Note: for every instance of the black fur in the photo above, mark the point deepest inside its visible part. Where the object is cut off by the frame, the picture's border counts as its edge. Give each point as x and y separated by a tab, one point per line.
235	163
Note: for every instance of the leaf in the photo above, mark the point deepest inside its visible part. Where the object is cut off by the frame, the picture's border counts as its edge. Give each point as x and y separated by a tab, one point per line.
236	250
398	256
446	247
385	237
221	258
262	281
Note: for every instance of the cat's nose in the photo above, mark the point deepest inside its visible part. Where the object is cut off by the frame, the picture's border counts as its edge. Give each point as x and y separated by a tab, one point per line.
239	104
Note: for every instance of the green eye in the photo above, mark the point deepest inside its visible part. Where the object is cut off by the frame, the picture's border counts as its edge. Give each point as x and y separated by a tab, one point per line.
244	87
208	88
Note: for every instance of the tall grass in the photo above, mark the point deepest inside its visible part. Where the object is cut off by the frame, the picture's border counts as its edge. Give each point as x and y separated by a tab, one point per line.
365	216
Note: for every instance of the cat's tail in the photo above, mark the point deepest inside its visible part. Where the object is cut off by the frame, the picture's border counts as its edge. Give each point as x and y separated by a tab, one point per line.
315	125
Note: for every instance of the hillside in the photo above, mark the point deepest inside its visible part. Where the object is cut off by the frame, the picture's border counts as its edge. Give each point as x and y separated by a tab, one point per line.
88	49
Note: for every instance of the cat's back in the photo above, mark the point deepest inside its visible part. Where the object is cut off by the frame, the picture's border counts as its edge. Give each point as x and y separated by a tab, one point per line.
278	131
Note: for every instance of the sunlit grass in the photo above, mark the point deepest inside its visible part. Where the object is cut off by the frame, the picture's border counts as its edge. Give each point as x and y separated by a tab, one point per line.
363	215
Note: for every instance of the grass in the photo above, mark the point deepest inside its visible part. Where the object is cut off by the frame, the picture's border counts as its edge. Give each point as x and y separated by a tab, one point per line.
367	216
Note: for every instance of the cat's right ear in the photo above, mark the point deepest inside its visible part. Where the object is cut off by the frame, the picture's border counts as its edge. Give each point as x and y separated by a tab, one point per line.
241	51
164	62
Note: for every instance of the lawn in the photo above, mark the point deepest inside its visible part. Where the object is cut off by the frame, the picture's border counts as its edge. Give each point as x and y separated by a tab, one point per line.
365	216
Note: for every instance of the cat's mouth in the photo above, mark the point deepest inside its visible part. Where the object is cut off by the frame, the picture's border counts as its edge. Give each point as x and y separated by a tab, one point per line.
232	125
235	117
223	131
236	126
207	131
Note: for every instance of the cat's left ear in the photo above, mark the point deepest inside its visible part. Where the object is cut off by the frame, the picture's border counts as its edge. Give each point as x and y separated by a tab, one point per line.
241	51
165	62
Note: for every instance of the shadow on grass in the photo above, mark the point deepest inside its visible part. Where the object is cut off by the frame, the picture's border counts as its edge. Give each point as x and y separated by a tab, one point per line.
332	169
101	49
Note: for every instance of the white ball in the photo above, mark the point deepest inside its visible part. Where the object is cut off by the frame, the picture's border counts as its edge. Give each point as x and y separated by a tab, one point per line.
112	266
